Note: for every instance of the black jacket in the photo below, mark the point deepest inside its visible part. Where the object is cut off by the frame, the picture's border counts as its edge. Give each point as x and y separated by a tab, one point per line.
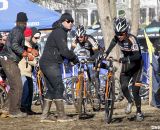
14	46
56	50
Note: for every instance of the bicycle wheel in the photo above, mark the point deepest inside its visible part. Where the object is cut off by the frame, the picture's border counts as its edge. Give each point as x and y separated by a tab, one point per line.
41	89
94	96
69	91
143	92
80	95
109	101
118	92
3	96
89	95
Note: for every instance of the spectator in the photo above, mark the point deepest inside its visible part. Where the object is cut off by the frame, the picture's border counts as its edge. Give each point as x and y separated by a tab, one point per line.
26	68
35	38
54	53
11	54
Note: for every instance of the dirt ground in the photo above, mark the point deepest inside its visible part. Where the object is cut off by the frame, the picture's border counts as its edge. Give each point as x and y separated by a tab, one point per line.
120	120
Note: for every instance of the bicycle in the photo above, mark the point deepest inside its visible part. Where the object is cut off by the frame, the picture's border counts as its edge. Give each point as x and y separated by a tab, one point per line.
109	95
68	91
144	91
144	88
84	91
41	86
4	89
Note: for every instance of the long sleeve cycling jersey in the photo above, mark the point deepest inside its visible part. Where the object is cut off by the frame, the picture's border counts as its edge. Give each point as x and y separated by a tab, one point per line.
129	47
90	45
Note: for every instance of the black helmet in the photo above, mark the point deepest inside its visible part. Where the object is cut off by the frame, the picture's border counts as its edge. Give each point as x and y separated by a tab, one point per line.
80	31
121	25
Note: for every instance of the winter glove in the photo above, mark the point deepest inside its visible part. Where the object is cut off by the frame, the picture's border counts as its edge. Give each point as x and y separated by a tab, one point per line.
24	54
30	57
124	60
32	51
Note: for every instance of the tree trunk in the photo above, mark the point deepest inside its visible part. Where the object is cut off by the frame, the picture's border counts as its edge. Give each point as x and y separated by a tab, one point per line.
103	7
135	5
113	8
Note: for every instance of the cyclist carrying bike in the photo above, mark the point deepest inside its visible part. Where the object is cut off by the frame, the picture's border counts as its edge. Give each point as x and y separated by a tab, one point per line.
131	64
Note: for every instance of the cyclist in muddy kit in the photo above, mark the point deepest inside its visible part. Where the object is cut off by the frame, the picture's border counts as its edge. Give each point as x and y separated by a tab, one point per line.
131	64
87	45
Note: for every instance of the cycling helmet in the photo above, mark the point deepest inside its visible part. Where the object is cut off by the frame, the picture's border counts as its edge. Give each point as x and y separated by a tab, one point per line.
121	25
80	31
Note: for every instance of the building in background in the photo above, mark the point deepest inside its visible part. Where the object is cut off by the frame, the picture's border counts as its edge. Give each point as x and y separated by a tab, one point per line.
149	10
85	11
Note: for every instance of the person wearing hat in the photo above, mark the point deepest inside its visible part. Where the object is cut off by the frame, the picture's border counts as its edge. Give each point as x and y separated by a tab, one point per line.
13	51
36	34
55	51
26	69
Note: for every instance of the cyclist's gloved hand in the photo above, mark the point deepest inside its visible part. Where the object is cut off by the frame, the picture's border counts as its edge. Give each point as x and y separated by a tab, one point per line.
124	60
75	61
90	59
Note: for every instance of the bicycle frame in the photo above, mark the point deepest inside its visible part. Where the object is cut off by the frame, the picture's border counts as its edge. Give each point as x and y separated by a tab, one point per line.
39	82
82	74
109	75
109	88
83	93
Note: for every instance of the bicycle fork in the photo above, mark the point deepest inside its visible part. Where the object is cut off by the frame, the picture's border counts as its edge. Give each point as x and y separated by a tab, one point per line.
81	91
107	92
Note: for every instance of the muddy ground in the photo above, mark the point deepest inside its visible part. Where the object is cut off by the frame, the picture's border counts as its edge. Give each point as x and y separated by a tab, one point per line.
120	120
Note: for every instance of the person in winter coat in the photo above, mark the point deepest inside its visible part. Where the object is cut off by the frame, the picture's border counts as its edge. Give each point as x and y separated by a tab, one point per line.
11	54
26	68
54	53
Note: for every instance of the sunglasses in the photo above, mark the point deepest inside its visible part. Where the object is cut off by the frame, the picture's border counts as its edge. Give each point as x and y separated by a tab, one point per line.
120	34
69	21
80	37
37	37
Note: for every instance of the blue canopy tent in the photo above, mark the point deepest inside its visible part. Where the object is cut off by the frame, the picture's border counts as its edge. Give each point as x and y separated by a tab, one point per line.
38	16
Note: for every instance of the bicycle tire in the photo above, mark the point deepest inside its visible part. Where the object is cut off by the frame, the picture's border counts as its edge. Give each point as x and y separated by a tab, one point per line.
88	99
3	96
95	98
109	101
143	92
80	98
41	89
69	91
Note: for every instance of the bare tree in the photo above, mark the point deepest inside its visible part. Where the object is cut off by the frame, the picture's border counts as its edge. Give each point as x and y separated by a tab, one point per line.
72	5
113	8
107	11
135	12
105	20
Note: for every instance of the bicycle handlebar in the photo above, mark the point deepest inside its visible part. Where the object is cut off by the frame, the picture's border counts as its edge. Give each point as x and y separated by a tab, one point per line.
99	61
